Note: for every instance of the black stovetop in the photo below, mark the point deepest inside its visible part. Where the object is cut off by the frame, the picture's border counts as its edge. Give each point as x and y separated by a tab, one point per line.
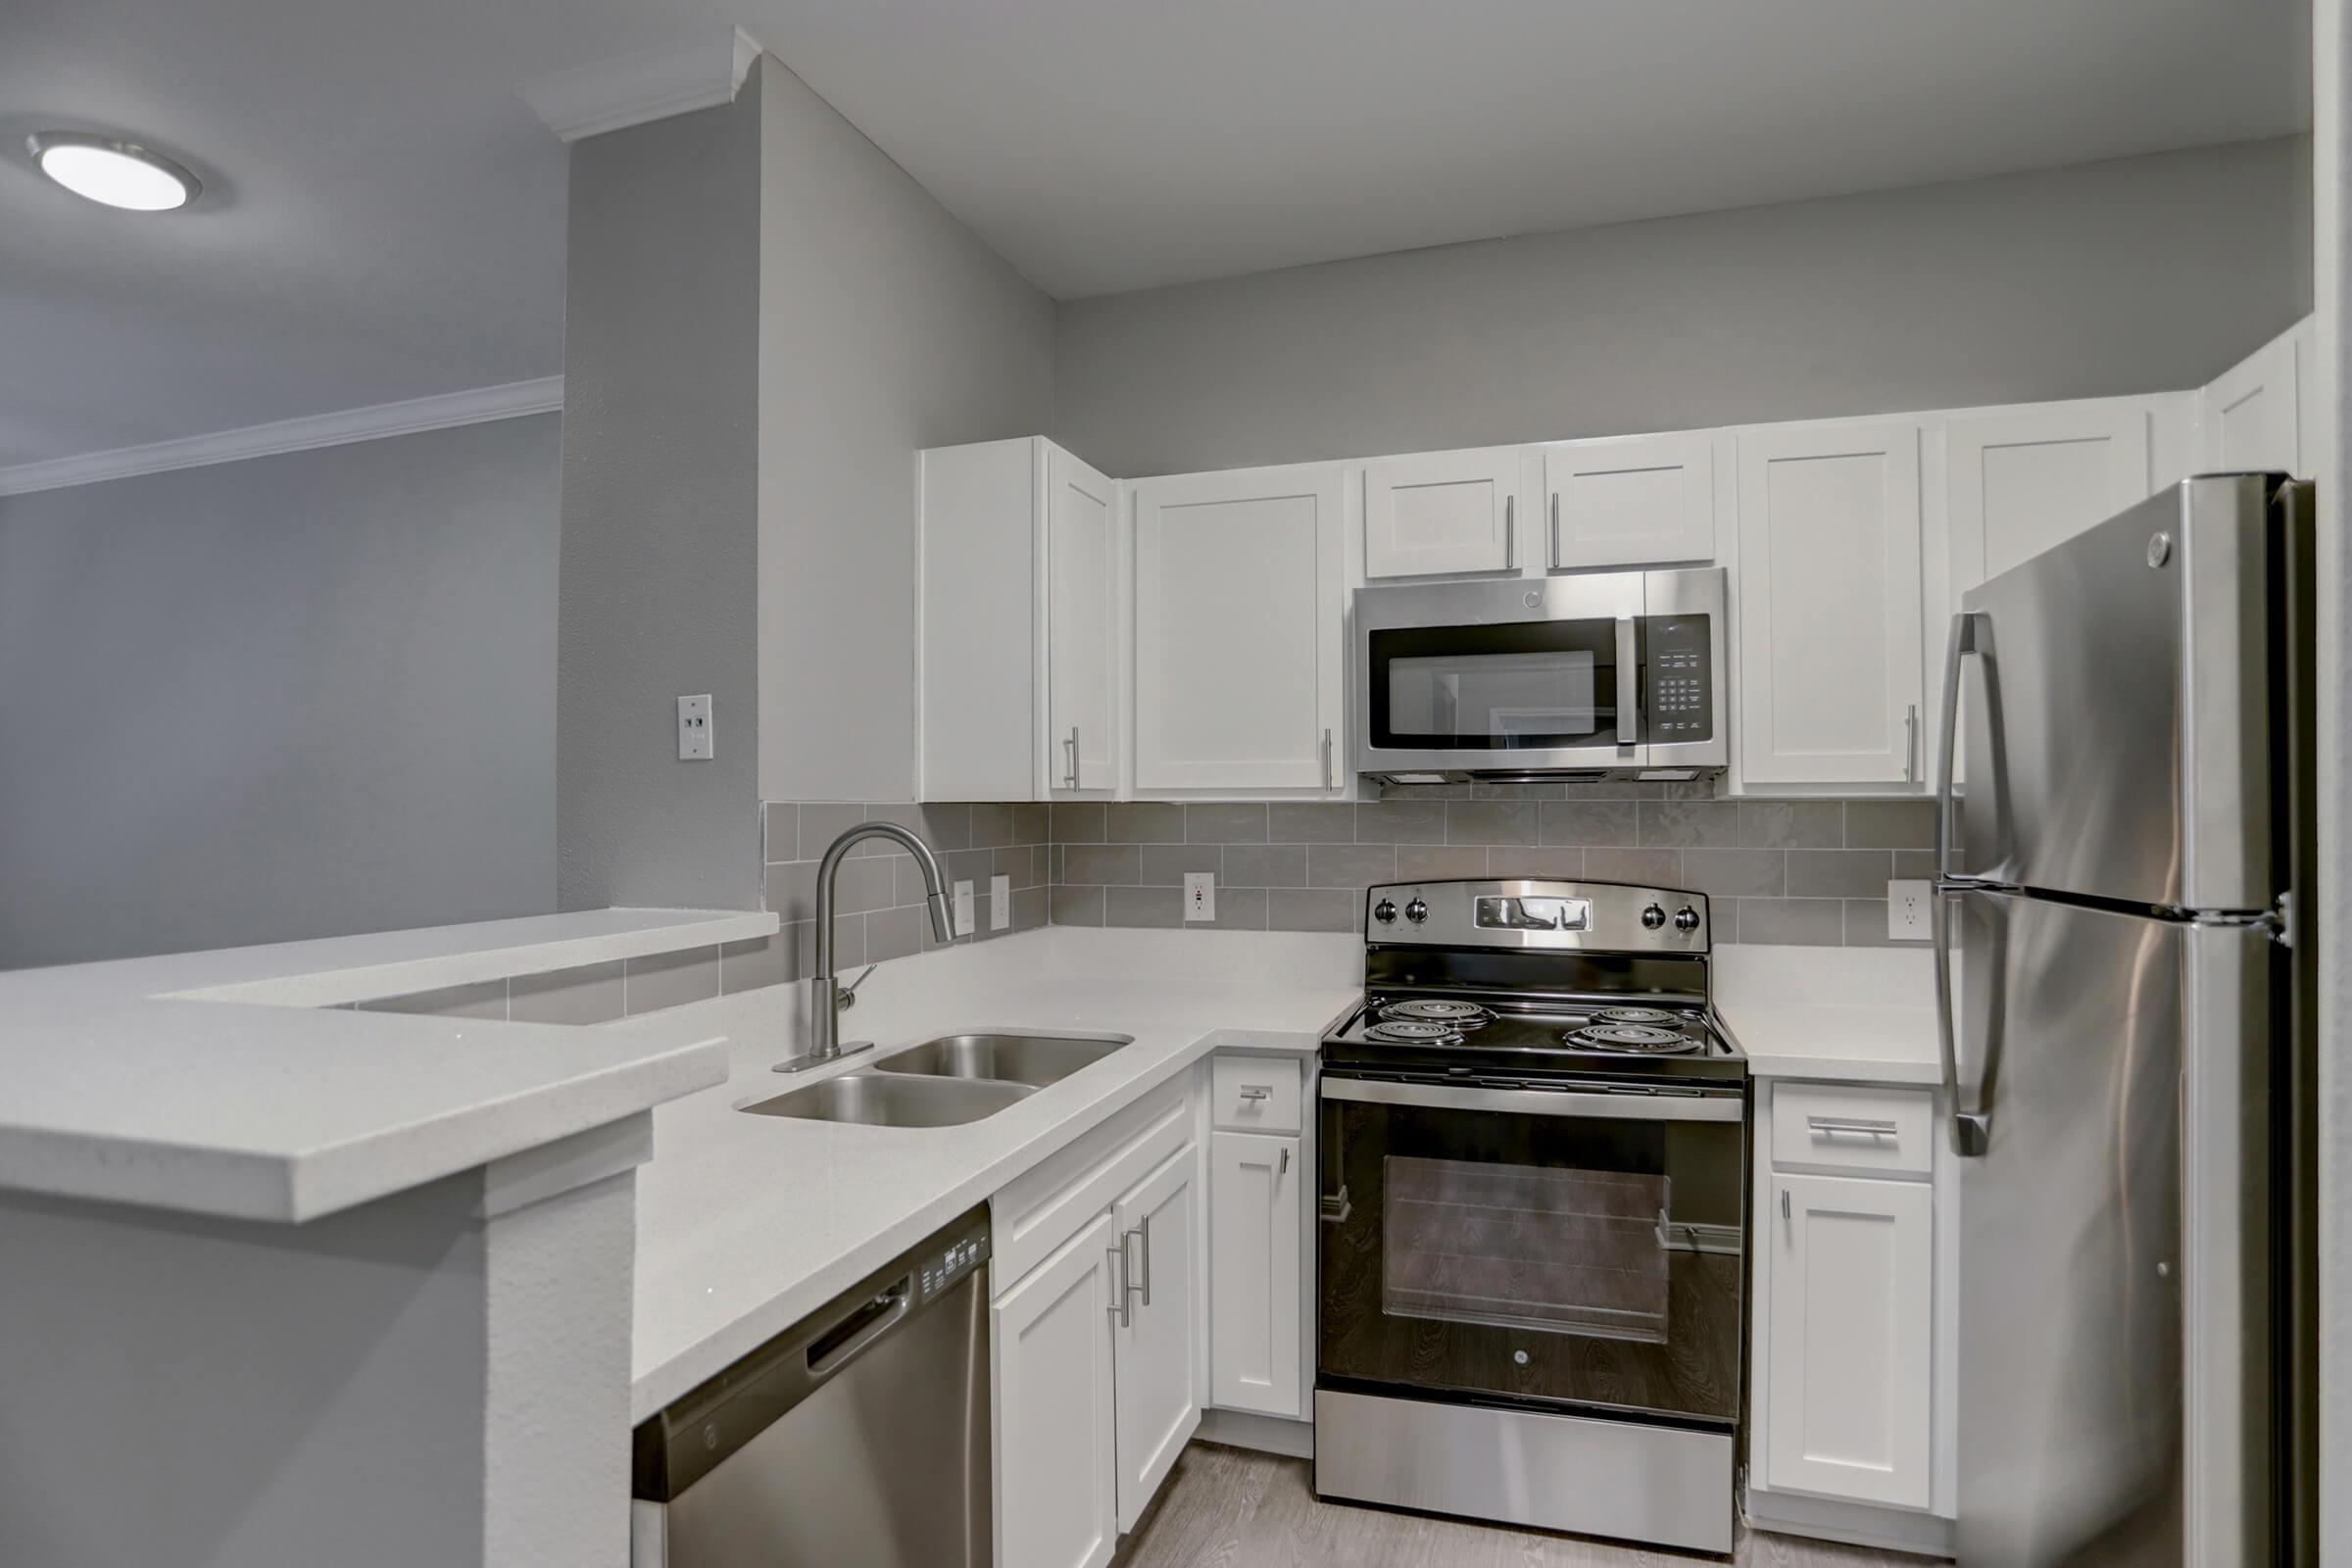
1606	1036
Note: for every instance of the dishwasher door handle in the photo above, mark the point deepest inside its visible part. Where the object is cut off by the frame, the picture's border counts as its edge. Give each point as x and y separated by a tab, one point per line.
850	1339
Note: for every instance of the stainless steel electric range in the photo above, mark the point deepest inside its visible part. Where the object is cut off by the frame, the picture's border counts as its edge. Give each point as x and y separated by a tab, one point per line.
1534	1151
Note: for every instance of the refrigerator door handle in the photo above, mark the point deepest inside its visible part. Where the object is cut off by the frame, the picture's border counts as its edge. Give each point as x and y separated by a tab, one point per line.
1972	1130
1964	642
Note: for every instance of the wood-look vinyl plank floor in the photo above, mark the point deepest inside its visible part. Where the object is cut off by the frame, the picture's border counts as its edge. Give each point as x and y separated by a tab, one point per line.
1235	1509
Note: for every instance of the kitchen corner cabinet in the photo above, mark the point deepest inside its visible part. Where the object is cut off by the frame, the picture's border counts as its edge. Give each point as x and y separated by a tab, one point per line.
1017	621
1829	596
2020	480
1854	1354
1633	500
1239	632
1444	512
2254	415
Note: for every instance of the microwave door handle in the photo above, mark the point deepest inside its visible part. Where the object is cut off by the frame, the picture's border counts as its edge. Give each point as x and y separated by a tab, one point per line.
1628	683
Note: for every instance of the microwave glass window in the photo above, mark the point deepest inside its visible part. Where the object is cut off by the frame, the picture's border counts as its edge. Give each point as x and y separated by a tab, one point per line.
1501	700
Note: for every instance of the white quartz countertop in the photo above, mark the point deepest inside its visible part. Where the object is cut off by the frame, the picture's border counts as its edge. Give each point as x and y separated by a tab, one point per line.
746	1224
232	1083
1856	1014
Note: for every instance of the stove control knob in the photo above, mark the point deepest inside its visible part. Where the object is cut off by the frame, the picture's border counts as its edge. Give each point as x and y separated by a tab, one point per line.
1654	917
1686	919
1416	911
1384	912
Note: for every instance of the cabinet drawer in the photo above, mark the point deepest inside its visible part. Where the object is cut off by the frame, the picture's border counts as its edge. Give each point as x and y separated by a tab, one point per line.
1889	1131
1054	1199
1255	1094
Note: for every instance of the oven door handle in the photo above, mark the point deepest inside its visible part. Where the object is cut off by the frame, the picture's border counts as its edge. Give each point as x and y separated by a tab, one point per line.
1539	1101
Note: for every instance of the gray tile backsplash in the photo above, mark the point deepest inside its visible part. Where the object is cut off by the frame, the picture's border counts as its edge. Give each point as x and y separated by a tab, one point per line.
1811	872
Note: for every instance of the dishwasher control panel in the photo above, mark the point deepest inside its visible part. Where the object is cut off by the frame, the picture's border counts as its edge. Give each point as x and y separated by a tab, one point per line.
941	1270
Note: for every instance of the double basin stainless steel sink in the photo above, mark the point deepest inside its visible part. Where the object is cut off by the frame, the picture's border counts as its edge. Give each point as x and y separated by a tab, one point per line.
944	1082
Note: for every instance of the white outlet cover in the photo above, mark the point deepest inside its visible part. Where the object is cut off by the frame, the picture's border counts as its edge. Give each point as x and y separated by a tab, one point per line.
999	903
694	728
1907	915
964	908
1200	895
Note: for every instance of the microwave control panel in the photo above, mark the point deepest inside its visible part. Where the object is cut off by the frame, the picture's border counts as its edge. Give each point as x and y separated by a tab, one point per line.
1679	669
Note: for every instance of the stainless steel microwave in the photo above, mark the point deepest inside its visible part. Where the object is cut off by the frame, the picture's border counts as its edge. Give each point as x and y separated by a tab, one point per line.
1604	675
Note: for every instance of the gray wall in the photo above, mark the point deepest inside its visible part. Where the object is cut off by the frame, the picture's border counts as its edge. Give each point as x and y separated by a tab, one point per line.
2142	275
885	326
295	696
661	544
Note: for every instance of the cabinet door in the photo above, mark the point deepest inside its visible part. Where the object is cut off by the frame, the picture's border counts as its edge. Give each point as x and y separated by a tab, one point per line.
1057	1503
1852	1361
2250	419
1081	654
1630	502
1238	650
1156	1342
2023	481
1255	1258
1442	512
1829	605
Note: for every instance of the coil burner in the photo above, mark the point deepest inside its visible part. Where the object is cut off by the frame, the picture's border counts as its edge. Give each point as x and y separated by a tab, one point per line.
1439	1009
1655	1015
1414	1031
1637	1038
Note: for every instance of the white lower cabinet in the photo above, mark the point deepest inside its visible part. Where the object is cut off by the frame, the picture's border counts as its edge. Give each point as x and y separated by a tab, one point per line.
1852	1362
1050	1336
1255	1266
1153	1360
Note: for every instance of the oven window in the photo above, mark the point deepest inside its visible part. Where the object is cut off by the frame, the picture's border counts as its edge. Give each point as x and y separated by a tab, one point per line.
1522	686
1572	1261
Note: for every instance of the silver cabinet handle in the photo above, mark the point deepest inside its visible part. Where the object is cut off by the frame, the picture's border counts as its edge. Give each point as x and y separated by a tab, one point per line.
1282	1166
1551	546
1121	1307
1831	1126
1072	744
1145	1234
1785	1203
1911	744
1510	532
1327	759
1256	1090
1629	682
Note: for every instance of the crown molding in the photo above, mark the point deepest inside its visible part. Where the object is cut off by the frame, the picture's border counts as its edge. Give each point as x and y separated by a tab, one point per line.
674	79
477	406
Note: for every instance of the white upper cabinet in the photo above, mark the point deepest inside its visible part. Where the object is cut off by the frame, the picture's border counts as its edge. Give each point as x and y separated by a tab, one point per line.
1443	512
1017	621
2252	413
1828	595
1631	502
1238	611
1081	557
2020	480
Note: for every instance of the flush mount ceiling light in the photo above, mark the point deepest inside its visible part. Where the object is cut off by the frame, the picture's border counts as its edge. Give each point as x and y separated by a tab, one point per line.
119	174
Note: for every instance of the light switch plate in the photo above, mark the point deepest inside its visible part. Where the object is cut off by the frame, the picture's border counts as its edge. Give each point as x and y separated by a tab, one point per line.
694	728
999	903
964	908
1200	895
1907	911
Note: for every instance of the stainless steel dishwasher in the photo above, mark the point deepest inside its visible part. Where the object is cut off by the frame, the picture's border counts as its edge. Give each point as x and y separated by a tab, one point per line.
858	1437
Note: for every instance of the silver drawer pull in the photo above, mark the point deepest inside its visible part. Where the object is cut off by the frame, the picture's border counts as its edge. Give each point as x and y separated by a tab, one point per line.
1829	1126
1257	1091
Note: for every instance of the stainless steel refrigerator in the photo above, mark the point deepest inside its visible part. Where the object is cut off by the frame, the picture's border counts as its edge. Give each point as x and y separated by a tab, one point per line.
2127	1054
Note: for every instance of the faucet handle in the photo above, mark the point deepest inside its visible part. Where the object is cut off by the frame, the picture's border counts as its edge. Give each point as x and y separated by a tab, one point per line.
846	996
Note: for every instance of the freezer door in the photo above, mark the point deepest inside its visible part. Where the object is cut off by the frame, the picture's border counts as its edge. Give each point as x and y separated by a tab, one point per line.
2113	1333
2114	696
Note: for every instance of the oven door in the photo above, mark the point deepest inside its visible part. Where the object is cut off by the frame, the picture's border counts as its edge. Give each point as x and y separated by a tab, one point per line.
1573	1250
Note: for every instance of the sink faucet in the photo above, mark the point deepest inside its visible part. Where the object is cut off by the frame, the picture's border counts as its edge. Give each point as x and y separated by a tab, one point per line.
826	997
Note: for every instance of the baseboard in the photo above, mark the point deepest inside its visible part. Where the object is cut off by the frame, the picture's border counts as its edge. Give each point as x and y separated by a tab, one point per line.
1851	1524
1267	1433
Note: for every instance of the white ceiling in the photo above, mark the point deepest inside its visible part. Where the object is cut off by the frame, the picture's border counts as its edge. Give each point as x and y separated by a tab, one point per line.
386	217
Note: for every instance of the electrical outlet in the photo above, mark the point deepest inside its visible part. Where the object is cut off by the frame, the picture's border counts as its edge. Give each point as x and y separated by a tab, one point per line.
964	908
694	728
1907	912
999	903
1200	895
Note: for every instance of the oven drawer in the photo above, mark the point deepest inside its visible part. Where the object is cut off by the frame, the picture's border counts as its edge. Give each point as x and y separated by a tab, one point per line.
1255	1094
1889	1131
